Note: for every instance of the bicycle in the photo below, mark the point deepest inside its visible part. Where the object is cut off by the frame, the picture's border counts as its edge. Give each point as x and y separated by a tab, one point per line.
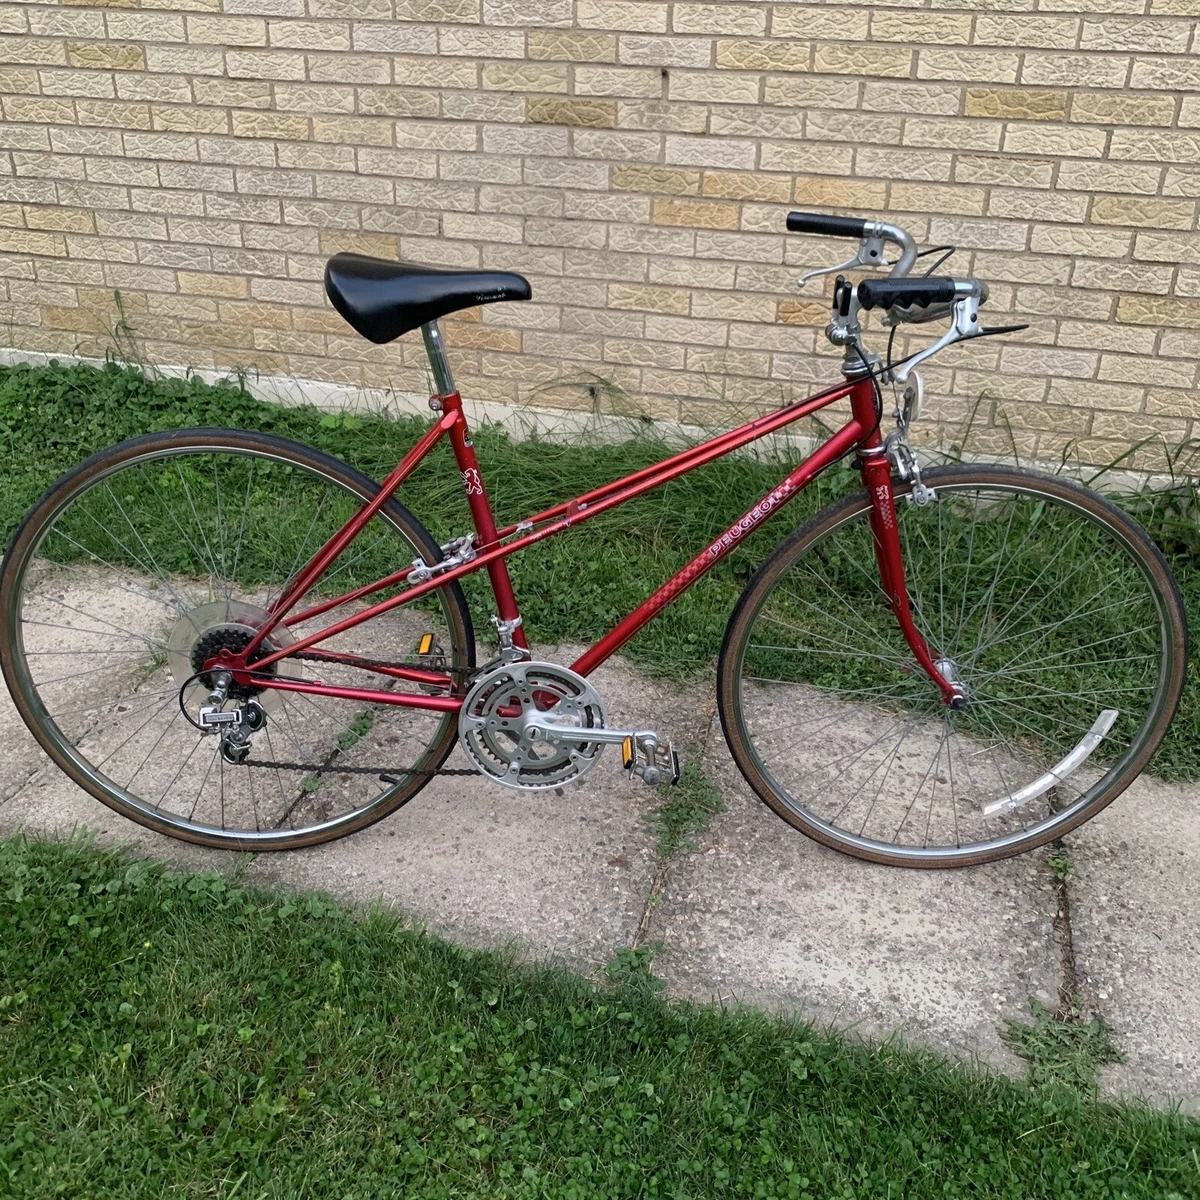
943	668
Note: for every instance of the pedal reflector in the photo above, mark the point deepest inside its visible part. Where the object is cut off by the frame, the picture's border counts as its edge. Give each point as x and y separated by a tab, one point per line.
425	645
628	753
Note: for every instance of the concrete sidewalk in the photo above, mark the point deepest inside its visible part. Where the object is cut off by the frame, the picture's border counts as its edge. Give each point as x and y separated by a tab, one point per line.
759	913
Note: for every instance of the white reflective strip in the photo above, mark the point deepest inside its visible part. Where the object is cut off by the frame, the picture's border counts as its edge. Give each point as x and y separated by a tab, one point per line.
1060	770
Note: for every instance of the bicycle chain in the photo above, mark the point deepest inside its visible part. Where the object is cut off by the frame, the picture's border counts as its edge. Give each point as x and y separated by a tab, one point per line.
385	774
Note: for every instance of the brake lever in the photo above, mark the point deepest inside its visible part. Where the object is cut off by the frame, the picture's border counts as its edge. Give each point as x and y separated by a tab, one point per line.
966	325
869	254
916	316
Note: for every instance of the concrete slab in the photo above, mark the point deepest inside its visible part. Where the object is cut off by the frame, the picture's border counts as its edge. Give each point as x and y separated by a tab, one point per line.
1135	900
764	915
561	876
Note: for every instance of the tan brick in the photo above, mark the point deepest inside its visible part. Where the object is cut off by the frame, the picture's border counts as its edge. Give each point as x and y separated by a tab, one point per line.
740	19
228	287
1109	176
1143	211
925	197
924	98
698	213
255	124
1126	108
973	65
57	218
527	77
633	16
552	110
227	31
189	119
106	55
829	192
757	54
656	180
39	109
649	299
1026	30
803	312
1074	70
747	185
571	46
808	21
1144	36
862	60
1158	310
1061	140
1016	104
924	29
326	35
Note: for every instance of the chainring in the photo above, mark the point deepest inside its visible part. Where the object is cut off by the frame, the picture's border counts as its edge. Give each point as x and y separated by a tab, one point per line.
494	729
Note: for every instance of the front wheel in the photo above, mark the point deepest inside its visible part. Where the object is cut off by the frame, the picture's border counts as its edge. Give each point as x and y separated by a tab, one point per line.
1051	608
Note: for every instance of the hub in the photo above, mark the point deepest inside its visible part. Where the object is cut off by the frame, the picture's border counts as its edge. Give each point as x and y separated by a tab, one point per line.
201	634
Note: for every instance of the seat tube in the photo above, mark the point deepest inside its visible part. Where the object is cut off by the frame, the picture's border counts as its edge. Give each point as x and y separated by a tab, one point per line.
477	501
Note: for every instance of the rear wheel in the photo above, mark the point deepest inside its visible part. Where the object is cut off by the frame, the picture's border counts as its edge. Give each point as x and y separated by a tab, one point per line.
146	560
1053	610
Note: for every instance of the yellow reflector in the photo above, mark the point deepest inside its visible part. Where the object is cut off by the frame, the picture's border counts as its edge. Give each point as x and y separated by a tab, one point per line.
425	644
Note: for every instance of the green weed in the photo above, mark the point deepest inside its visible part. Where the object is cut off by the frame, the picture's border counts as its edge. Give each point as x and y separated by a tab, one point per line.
1062	1049
685	812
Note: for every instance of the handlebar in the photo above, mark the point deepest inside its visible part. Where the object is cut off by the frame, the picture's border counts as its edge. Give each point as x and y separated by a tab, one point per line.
871	236
844	227
918	293
906	300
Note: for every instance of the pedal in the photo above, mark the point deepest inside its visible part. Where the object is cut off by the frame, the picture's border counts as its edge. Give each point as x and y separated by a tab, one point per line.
433	657
643	758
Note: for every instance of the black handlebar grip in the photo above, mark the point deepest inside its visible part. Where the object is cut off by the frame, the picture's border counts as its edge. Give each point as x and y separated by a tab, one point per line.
907	293
846	227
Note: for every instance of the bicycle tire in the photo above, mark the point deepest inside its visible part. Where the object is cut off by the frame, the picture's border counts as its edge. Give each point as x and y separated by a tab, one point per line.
349	489
876	692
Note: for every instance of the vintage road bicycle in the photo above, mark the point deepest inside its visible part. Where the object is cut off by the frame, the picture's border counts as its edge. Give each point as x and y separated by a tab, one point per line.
240	641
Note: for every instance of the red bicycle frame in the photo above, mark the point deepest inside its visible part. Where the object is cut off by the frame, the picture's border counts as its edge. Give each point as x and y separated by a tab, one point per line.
494	545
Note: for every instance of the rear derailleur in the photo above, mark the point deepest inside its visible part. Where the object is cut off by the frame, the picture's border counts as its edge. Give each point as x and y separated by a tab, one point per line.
234	726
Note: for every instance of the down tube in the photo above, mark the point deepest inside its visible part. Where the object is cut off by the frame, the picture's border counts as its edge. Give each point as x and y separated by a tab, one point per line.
840	444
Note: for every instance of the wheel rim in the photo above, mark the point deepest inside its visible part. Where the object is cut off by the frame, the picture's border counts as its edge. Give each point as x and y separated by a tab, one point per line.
206	535
851	737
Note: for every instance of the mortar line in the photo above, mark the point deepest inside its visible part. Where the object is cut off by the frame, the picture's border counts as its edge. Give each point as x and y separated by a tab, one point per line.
662	873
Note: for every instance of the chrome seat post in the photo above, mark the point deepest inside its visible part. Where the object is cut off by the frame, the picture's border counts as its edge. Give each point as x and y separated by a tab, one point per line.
443	381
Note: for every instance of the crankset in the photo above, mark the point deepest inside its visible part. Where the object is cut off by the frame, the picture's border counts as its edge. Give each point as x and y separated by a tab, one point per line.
538	725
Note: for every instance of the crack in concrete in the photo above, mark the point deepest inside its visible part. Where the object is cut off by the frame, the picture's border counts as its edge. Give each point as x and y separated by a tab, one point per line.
663	872
1070	1000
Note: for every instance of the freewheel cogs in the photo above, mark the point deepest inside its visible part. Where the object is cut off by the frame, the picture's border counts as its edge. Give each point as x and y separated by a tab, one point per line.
505	718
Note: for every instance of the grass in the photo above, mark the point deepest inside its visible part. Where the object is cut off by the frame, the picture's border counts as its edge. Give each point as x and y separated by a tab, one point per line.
188	1035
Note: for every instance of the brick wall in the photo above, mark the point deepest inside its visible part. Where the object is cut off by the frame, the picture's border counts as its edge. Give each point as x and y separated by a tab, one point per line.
635	160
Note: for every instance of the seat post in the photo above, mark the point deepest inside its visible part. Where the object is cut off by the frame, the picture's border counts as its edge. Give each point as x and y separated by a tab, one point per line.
442	379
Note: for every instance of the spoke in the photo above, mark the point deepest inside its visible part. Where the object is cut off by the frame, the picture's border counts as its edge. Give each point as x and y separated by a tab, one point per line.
147	594
166	729
216	754
196	517
237	550
287	497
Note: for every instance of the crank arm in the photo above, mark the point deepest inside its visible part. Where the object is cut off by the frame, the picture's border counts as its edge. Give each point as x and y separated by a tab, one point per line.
553	732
